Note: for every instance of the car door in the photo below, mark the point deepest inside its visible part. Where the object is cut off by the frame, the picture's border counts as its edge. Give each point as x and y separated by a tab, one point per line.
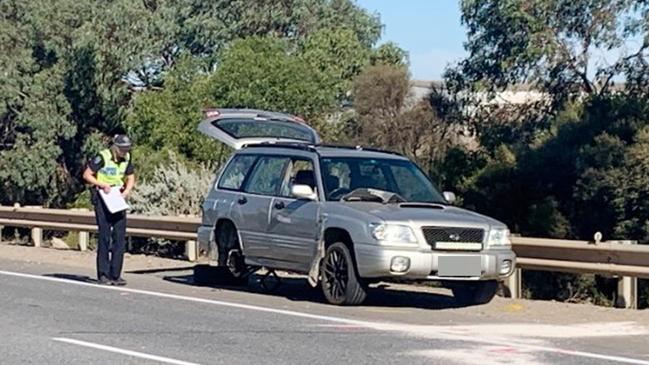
294	227
253	204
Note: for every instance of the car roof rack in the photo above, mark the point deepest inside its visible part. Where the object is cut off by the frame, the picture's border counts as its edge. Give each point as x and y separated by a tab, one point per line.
305	146
294	145
360	148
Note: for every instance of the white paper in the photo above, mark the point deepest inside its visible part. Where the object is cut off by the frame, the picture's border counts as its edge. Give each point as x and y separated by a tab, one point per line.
114	200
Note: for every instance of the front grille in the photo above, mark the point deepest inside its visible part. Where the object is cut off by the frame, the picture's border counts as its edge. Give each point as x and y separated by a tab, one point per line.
454	238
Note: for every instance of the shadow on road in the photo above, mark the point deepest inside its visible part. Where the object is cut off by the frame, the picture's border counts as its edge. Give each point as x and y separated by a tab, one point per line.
154	271
298	289
82	278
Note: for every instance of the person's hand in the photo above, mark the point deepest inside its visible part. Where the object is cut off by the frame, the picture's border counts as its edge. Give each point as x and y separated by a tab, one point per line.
125	194
106	188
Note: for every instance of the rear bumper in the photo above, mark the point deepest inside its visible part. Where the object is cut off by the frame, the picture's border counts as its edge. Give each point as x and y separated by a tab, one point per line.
375	261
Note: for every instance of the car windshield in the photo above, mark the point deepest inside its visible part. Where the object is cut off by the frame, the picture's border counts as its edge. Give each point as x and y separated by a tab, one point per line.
344	175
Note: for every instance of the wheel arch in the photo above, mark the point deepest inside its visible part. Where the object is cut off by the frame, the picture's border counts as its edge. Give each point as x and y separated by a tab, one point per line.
338	234
223	222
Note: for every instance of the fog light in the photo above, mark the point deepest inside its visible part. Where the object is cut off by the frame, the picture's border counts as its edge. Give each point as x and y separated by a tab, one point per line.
400	264
506	266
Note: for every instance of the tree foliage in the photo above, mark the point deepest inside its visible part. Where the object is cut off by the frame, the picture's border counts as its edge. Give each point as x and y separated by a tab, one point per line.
261	73
71	71
568	173
571	160
207	26
552	44
388	116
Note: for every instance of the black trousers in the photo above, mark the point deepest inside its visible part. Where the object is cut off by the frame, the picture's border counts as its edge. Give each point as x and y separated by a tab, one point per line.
110	257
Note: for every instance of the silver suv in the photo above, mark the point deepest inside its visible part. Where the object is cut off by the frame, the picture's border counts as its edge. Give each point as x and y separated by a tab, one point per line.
344	216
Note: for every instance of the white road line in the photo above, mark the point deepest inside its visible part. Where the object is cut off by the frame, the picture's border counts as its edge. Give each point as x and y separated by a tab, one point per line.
191	299
123	352
404	329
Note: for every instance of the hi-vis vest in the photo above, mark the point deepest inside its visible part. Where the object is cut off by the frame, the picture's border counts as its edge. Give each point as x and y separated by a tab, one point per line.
112	173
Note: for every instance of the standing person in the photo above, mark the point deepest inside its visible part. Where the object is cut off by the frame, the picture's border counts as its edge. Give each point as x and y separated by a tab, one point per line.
112	167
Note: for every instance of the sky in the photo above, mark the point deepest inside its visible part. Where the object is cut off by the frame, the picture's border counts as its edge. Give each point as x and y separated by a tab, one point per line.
429	30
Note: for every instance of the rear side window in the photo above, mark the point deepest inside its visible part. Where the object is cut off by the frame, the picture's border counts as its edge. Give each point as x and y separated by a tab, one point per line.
236	172
266	178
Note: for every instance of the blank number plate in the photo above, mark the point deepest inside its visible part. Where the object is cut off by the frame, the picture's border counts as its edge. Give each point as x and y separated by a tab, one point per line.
459	266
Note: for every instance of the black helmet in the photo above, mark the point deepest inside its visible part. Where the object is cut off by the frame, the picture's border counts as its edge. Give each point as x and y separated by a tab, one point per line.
122	142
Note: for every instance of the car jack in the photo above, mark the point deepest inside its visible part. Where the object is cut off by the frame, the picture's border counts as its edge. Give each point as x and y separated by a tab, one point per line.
264	278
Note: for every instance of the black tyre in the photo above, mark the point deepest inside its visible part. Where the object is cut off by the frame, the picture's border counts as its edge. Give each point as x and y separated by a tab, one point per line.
339	280
475	293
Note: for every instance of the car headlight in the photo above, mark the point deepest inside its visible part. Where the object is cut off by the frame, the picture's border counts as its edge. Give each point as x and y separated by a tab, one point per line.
392	233
499	237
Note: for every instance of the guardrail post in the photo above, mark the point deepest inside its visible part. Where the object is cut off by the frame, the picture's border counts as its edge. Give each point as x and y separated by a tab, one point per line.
37	232
514	284
37	237
627	292
191	250
84	237
627	288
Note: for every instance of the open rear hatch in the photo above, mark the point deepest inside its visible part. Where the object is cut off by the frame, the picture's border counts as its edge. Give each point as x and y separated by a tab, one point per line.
240	127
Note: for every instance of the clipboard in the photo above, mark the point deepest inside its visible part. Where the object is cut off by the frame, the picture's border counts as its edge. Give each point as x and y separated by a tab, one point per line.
114	200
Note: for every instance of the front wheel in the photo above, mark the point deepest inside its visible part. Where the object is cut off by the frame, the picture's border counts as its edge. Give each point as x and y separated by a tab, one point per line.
475	293
339	281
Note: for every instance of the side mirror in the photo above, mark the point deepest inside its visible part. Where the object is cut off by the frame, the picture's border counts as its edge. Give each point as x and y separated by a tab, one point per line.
303	192
449	196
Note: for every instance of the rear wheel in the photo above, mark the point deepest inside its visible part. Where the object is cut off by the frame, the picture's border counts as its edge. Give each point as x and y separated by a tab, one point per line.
339	281
475	292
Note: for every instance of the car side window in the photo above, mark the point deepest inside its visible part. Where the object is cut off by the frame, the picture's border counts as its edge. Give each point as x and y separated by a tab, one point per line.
236	172
267	175
300	171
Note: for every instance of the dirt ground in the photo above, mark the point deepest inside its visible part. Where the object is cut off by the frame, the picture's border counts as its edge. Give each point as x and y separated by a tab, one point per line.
85	259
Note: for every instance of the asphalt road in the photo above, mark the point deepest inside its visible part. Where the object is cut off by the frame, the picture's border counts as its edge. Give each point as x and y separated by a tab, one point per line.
54	314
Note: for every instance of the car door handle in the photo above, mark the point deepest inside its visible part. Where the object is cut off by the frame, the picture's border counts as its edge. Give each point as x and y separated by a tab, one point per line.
242	200
280	205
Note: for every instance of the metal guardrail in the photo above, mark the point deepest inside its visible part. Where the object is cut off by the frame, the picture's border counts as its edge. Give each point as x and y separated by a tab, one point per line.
177	228
622	259
36	218
610	258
